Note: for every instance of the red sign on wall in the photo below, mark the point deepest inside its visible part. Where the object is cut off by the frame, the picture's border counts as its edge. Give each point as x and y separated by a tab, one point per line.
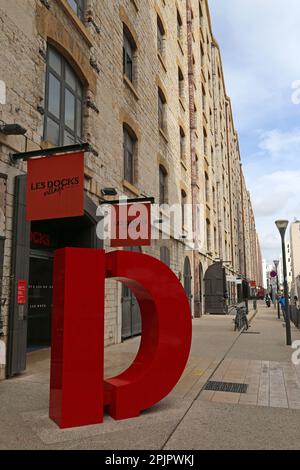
21	293
253	284
55	187
131	224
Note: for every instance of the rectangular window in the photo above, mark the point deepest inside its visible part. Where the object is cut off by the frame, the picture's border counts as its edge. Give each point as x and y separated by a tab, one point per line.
129	144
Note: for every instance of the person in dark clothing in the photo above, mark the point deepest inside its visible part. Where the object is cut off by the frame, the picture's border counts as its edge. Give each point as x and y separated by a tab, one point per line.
282	305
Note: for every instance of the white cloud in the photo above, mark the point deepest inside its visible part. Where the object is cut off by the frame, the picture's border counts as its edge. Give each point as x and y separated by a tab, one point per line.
280	144
274	195
259	41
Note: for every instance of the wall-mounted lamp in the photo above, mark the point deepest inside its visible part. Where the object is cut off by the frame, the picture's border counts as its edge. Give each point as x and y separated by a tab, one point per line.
12	129
109	192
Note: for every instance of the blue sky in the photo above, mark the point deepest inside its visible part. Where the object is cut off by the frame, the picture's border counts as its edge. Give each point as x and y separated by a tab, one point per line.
260	45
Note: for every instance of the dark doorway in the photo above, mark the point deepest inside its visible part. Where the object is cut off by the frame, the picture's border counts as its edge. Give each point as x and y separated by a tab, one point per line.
187	279
45	237
131	317
200	287
39	302
215	288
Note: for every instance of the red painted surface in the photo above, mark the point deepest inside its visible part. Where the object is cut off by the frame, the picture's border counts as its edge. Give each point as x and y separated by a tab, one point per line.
77	386
21	292
76	379
166	334
131	225
55	187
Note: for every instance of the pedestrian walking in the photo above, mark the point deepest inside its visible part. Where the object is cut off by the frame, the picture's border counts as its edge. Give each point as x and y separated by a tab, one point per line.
282	305
268	300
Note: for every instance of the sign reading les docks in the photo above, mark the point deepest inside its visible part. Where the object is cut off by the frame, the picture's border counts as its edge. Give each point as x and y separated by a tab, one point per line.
55	187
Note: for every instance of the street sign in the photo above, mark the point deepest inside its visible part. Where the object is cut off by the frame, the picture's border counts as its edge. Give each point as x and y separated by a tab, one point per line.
273	274
231	278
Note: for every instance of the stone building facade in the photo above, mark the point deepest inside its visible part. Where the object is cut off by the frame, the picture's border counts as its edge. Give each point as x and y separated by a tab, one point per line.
142	83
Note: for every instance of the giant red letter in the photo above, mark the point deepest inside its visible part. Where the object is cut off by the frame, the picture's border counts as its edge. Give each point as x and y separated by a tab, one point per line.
164	347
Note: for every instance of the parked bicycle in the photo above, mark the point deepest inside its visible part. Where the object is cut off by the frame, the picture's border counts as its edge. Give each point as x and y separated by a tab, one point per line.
240	320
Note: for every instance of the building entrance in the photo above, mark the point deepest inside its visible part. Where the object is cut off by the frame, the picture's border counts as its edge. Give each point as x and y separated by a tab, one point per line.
39	301
45	237
33	250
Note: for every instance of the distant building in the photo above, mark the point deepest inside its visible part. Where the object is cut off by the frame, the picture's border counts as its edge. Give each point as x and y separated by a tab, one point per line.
264	273
294	251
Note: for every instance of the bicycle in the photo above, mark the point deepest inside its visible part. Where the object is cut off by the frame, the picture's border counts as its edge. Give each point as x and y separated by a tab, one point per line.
240	320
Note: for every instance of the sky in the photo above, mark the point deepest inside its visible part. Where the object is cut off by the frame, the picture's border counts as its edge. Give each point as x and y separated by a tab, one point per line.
260	46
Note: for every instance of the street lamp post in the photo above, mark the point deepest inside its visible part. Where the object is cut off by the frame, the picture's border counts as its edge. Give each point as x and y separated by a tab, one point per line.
282	226
276	264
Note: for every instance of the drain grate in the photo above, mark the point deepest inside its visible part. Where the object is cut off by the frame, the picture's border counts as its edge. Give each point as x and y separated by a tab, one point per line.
251	332
226	387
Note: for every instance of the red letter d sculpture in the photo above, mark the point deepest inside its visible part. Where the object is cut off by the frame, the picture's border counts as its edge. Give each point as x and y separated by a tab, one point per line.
78	392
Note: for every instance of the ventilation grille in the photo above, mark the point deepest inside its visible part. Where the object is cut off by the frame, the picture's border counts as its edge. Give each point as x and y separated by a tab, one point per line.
226	387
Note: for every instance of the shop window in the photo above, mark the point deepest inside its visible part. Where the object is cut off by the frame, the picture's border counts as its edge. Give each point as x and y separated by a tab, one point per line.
63	101
130	150
78	7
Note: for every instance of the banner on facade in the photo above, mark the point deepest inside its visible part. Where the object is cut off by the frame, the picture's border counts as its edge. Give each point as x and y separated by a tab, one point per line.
55	187
131	224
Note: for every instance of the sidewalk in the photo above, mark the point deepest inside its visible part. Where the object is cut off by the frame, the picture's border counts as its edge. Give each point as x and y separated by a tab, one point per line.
189	417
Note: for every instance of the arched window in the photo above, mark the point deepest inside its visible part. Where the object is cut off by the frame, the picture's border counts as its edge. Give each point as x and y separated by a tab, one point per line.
130	150
180	83
129	54
183	211
179	26
160	37
63	101
182	143
163	187
161	110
